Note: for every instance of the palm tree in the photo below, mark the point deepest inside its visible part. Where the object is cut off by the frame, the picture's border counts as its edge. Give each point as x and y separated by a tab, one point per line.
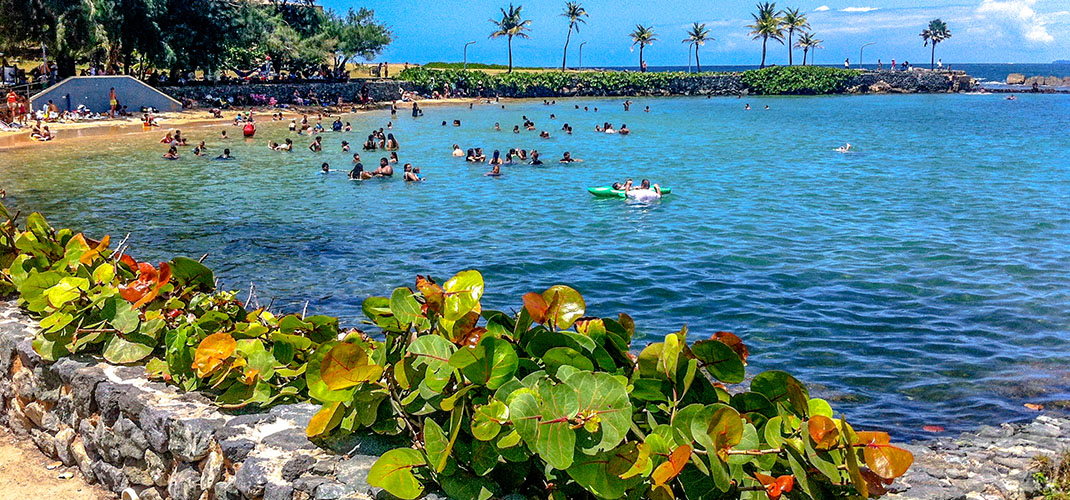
642	36
807	42
767	25
934	34
698	35
575	13
511	25
793	20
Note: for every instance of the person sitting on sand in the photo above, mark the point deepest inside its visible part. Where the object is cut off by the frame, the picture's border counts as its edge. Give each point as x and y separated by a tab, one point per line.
457	151
171	154
411	176
843	149
644	193
494	172
384	170
225	155
317	145
392	143
496	158
624	129
393	157
567	158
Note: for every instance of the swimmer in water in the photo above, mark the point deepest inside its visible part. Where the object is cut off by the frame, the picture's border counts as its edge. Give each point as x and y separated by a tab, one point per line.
392	143
393	157
567	158
645	193
498	126
496	159
471	156
747	107
544	134
844	149
369	145
317	145
345	146
289	146
411	176
325	169
609	129
171	154
384	170
456	123
480	157
223	135
457	151
225	155
293	125
272	145
516	129
358	173
535	158
624	129
494	172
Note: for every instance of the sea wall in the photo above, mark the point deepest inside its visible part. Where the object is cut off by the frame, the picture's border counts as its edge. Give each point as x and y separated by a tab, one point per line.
120	430
378	90
910	82
1048	81
124	432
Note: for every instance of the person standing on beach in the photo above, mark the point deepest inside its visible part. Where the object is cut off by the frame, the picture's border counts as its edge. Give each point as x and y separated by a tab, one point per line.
113	100
847	63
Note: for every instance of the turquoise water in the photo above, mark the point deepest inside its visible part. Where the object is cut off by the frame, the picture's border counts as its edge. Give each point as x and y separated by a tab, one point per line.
922	280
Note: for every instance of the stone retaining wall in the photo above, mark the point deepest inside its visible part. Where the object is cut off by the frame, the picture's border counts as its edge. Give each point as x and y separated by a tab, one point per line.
123	431
910	82
378	90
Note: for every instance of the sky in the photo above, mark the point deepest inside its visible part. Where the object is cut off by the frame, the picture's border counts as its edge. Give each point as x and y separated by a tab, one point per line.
998	31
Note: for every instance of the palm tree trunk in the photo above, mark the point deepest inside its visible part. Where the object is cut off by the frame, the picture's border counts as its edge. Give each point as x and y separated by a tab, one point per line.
805	50
641	68
698	65
564	58
932	61
510	54
790	61
764	41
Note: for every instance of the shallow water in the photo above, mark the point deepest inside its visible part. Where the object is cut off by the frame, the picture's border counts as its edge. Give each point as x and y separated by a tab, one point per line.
922	280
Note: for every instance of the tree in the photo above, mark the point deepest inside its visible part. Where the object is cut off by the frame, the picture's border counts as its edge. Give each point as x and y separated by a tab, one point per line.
575	13
64	27
511	25
934	34
698	35
358	34
792	20
807	42
767	25
643	36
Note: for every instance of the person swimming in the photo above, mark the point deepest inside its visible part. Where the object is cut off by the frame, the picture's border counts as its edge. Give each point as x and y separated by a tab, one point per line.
171	154
645	193
624	129
516	129
358	173
223	135
496	159
391	143
535	158
480	157
384	170
293	125
843	149
457	151
608	128
325	169
567	158
345	146
410	174
288	146
317	145
337	125
225	155
393	157
494	172
498	126
544	134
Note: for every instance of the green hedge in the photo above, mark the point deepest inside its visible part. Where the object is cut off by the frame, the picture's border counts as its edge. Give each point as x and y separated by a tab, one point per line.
798	80
546	83
471	65
547	401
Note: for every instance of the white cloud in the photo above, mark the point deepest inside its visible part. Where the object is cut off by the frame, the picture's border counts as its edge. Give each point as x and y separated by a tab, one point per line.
1021	15
858	9
822	8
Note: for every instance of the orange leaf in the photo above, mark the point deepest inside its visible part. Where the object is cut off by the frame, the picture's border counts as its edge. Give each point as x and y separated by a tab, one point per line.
775	487
87	258
129	261
870	437
932	428
161	278
887	461
823	431
347	365
536	307
434	298
211	353
669	470
875	484
1034	406
732	340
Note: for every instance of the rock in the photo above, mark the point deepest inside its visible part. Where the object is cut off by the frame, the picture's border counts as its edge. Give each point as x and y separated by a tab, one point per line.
212	469
156	467
251	478
881	87
35	412
155	423
225	490
110	476
107	395
18	422
47	384
190	439
236	450
137	472
296	466
132	440
1015	79
24	384
184	484
63	441
1052	81
150	494
278	492
132	402
83	385
1065	82
65	411
85	464
330	490
44	441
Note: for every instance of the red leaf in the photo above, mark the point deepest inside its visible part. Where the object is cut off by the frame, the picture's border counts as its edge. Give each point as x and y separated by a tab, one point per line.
932	428
732	340
536	307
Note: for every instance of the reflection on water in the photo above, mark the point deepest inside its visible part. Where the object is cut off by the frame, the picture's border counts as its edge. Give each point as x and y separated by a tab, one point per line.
921	280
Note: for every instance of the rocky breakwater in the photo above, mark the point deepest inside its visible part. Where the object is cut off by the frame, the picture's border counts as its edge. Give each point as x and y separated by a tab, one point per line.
378	90
911	82
1047	81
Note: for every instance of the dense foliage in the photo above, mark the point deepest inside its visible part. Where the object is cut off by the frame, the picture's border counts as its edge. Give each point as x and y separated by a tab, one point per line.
209	35
546	401
546	83
797	80
471	66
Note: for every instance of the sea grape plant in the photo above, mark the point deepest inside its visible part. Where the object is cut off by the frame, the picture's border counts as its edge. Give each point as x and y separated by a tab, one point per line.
546	401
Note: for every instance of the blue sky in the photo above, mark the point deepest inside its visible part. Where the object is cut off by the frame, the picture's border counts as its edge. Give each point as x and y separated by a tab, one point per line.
983	30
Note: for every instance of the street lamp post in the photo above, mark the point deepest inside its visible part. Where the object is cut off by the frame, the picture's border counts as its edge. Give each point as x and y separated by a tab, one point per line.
860	53
466	54
581	54
689	57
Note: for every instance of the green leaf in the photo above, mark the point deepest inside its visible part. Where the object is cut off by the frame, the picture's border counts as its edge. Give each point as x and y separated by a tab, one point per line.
393	473
556	440
317	387
491	363
603	398
462	294
435	444
434	353
133	348
782	388
720	360
557	357
484	457
189	272
404	305
566	306
488	419
600	473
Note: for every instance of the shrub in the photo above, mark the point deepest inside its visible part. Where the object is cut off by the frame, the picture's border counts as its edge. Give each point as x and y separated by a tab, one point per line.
455	65
547	83
804	80
547	401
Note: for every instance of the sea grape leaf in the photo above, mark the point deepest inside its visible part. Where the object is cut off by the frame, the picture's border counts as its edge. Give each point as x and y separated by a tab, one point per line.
435	444
823	431
188	272
322	421
462	293
393	473
720	360
212	352
602	473
434	353
566	305
556	439
487	420
347	365
136	347
887	461
317	388
491	363
782	388
557	357
718	432
536	307
668	470
605	397
404	305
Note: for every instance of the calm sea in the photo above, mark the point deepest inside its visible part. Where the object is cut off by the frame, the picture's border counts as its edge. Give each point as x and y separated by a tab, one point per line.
922	279
988	72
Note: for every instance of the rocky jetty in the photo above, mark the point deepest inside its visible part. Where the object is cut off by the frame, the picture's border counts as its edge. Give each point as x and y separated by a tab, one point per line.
1049	81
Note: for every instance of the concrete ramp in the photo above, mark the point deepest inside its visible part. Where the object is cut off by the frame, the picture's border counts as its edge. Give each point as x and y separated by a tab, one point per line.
92	91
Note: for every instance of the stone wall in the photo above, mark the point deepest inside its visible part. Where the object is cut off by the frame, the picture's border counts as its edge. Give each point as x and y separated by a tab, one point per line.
123	431
378	90
911	82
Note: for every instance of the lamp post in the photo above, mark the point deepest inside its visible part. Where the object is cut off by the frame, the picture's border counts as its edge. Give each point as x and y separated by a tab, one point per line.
689	57
466	54
860	66
581	54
